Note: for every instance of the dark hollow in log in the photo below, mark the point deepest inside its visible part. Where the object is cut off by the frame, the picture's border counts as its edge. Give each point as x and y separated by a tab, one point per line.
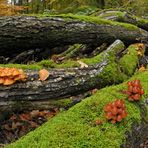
21	33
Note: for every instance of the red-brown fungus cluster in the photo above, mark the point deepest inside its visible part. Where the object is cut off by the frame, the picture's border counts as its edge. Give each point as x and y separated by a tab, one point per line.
115	111
135	90
8	76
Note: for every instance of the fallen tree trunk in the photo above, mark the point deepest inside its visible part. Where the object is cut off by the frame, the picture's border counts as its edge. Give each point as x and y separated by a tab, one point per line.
21	33
62	83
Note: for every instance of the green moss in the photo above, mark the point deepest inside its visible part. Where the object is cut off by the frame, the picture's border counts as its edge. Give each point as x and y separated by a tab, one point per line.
121	17
64	64
141	21
91	19
129	61
112	74
76	128
23	66
68	63
107	54
109	13
61	102
47	63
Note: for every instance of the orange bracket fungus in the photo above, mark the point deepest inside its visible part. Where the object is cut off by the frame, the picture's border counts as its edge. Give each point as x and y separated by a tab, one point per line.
9	76
135	90
115	111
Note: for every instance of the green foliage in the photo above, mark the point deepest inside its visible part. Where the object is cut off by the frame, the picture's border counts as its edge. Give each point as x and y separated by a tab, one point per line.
76	127
136	7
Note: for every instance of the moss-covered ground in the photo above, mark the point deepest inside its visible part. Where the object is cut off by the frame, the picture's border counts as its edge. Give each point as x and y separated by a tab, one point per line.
76	127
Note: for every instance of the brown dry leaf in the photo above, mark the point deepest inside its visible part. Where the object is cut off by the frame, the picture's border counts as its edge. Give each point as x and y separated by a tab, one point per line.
33	124
139	53
9	135
24	117
140	49
141	69
15	125
13	117
82	65
94	91
43	74
7	127
34	113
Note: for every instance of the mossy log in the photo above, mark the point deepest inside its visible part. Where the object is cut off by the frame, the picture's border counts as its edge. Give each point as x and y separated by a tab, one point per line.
124	17
20	33
63	83
77	127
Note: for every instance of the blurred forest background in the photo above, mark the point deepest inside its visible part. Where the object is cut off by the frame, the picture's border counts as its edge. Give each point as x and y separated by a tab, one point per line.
86	7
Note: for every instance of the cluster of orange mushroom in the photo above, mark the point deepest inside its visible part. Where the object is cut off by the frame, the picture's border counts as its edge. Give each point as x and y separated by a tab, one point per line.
115	111
9	76
135	90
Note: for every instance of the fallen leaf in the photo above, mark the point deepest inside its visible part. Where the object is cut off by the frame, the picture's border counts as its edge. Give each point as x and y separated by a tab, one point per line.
24	117
34	113
43	74
15	125
141	69
7	127
82	65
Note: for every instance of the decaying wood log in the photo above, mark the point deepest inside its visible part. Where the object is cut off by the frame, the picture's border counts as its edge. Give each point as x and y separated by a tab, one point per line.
20	33
124	17
60	83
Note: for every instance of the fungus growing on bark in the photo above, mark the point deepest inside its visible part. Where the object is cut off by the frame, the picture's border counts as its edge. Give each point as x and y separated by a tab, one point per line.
9	76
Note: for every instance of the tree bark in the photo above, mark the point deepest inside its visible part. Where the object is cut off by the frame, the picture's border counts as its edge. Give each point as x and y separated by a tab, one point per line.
60	84
21	33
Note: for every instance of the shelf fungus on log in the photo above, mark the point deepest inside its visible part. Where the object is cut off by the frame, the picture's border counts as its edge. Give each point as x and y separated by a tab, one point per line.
9	76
